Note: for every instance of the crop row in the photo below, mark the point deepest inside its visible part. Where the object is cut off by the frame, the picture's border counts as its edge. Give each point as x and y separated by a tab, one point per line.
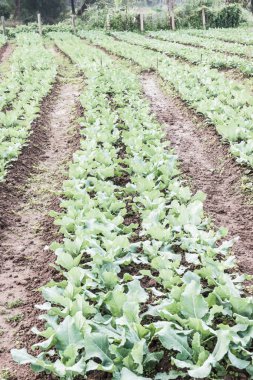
27	78
142	274
210	44
225	103
195	55
2	40
239	35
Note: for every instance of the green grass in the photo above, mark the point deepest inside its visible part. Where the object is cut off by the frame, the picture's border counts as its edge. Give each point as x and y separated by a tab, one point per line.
15	303
15	318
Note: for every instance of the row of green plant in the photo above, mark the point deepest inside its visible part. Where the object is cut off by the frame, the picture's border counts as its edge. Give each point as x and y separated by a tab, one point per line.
195	55
185	37
225	103
26	79
2	40
12	32
242	35
143	277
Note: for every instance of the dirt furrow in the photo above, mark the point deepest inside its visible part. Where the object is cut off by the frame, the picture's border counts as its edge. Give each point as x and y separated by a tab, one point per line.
6	51
30	192
208	166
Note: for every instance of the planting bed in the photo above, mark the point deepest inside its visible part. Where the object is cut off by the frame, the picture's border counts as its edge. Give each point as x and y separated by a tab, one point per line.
146	161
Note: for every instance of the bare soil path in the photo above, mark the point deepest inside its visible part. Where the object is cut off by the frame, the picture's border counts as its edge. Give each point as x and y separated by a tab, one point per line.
209	166
6	51
30	192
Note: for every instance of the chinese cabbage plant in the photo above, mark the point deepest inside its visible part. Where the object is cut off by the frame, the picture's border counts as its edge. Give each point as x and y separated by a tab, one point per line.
31	73
227	104
143	275
192	54
2	41
186	38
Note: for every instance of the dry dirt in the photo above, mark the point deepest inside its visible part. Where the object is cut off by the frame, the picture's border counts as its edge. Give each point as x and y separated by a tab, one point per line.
208	166
5	52
29	193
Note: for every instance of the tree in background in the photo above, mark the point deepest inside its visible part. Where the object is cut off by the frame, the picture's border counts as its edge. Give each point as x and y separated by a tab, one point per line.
17	9
73	7
85	6
51	10
26	10
171	5
5	8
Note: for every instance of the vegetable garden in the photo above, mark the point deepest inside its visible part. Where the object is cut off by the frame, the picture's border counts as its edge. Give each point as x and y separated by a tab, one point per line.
145	282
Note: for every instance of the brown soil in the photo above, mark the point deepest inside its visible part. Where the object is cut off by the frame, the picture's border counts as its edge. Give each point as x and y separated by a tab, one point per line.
208	166
5	52
29	193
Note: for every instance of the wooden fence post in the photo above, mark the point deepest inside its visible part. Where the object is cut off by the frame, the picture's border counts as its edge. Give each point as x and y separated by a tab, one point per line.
108	24
3	25
203	12
142	22
39	24
172	20
73	21
171	4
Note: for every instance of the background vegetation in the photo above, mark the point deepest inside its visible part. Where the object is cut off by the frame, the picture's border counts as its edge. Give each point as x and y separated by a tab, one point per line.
124	14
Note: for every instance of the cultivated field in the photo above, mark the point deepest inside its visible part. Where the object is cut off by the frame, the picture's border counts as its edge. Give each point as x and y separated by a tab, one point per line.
141	145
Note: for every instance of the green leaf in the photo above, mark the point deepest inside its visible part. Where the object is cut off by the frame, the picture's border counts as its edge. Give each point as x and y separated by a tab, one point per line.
192	302
97	346
75	275
110	279
93	366
136	293
22	356
37	364
67	333
222	344
126	374
67	261
131	312
236	362
153	358
242	306
174	340
115	301
137	354
204	370
200	326
46	344
75	369
172	375
55	295
196	345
